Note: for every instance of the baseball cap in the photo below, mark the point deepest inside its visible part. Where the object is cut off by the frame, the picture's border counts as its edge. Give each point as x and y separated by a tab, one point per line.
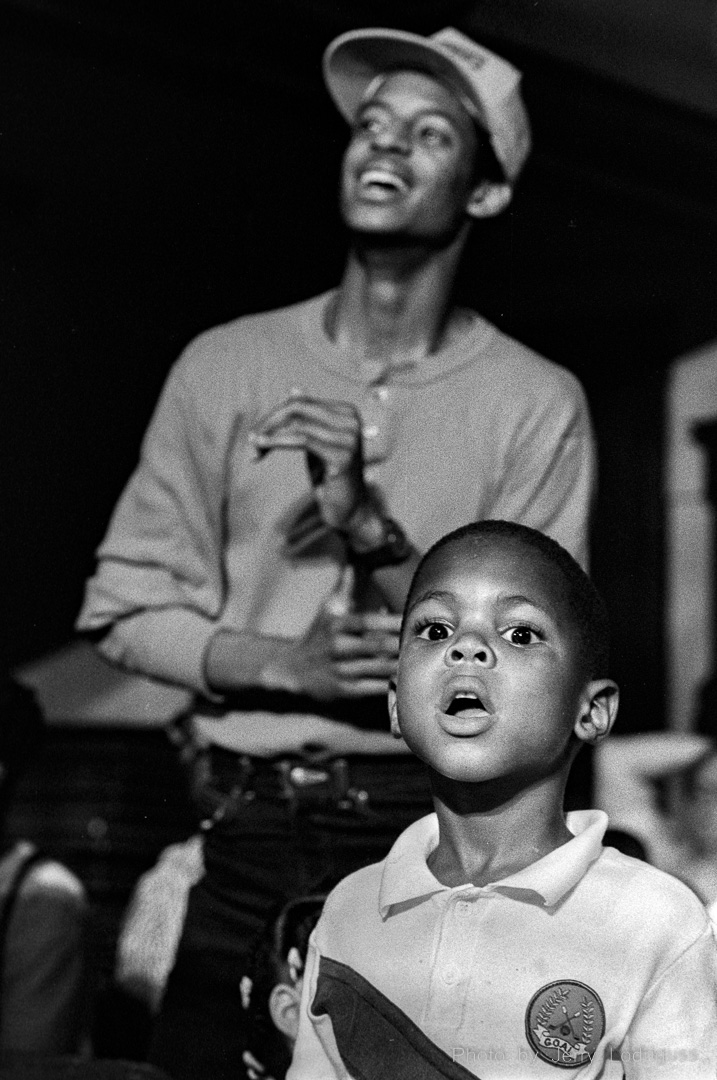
487	84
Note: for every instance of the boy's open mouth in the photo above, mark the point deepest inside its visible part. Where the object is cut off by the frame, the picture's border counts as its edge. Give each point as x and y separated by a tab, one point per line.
465	705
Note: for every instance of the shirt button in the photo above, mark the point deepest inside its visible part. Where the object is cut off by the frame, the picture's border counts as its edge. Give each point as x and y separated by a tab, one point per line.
370	431
451	975
463	909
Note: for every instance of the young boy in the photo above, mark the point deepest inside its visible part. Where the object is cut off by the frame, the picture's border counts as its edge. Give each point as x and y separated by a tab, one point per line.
499	938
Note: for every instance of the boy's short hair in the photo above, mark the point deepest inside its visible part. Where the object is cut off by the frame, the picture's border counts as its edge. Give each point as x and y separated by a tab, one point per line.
585	603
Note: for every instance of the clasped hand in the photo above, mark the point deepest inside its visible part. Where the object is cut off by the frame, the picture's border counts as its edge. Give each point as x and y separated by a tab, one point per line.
329	432
343	654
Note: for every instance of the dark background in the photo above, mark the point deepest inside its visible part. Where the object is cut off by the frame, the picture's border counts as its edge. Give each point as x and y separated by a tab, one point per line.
166	167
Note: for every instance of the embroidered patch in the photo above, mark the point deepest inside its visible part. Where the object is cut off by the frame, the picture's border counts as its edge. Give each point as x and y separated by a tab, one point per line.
564	1023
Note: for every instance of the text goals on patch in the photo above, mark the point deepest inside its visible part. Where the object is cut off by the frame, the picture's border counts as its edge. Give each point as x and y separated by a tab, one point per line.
564	1023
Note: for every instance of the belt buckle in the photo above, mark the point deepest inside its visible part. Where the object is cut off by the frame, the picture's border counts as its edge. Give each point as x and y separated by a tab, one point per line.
328	783
306	776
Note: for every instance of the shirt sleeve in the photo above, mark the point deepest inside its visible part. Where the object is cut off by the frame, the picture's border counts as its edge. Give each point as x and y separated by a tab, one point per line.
549	483
43	988
674	1033
316	1056
158	589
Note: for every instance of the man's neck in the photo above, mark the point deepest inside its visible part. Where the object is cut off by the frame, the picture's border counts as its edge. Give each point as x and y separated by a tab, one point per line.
484	838
394	303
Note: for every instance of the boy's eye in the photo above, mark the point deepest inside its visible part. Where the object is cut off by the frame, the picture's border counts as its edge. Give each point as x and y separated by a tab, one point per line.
520	635
434	631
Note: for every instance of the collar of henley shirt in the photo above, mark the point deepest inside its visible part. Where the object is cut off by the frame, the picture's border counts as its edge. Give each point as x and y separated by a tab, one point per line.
406	875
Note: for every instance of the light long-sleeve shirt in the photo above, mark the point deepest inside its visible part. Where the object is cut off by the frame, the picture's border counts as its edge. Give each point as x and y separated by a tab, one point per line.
484	428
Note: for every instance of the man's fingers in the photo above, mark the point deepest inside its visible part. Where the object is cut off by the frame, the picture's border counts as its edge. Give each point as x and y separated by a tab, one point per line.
361	642
365	667
349	646
319	439
331	416
378	635
382	644
364	688
327	458
359	622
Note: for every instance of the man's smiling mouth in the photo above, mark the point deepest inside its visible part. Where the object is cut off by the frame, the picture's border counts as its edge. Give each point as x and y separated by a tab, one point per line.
382	181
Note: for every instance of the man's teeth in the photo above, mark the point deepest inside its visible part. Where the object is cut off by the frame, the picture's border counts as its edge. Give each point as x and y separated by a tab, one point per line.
384	179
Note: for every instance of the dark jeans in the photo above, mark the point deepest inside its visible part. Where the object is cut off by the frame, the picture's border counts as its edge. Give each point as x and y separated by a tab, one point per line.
289	834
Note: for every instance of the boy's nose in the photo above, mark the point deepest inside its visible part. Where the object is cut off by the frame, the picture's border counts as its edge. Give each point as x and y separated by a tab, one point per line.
471	648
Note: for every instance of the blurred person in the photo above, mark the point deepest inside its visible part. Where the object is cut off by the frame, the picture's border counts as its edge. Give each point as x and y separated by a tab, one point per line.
298	463
662	788
43	915
153	921
271	988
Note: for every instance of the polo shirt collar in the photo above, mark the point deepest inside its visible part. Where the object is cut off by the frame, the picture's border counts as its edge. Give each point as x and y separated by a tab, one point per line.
406	875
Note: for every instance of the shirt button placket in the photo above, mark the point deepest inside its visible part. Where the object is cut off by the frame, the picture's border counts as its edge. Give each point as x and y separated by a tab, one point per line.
451	975
374	429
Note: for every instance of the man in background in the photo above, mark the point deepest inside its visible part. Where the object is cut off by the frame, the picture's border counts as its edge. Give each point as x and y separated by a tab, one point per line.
298	464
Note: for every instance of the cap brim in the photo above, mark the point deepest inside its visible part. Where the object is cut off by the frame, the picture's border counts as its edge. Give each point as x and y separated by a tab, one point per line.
353	61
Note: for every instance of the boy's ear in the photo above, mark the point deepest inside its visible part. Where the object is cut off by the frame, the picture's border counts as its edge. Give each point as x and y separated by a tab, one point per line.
598	709
488	199
393	710
284	1002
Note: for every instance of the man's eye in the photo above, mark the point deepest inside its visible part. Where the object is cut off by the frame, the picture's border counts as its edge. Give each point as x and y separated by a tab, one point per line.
520	635
433	631
368	124
434	136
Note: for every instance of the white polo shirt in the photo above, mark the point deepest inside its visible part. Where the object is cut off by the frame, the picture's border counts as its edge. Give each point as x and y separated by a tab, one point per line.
586	963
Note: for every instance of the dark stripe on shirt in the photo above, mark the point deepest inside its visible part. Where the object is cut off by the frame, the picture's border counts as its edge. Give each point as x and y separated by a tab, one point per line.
376	1040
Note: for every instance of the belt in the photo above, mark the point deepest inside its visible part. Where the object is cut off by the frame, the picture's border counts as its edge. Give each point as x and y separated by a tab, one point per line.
301	780
223	781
